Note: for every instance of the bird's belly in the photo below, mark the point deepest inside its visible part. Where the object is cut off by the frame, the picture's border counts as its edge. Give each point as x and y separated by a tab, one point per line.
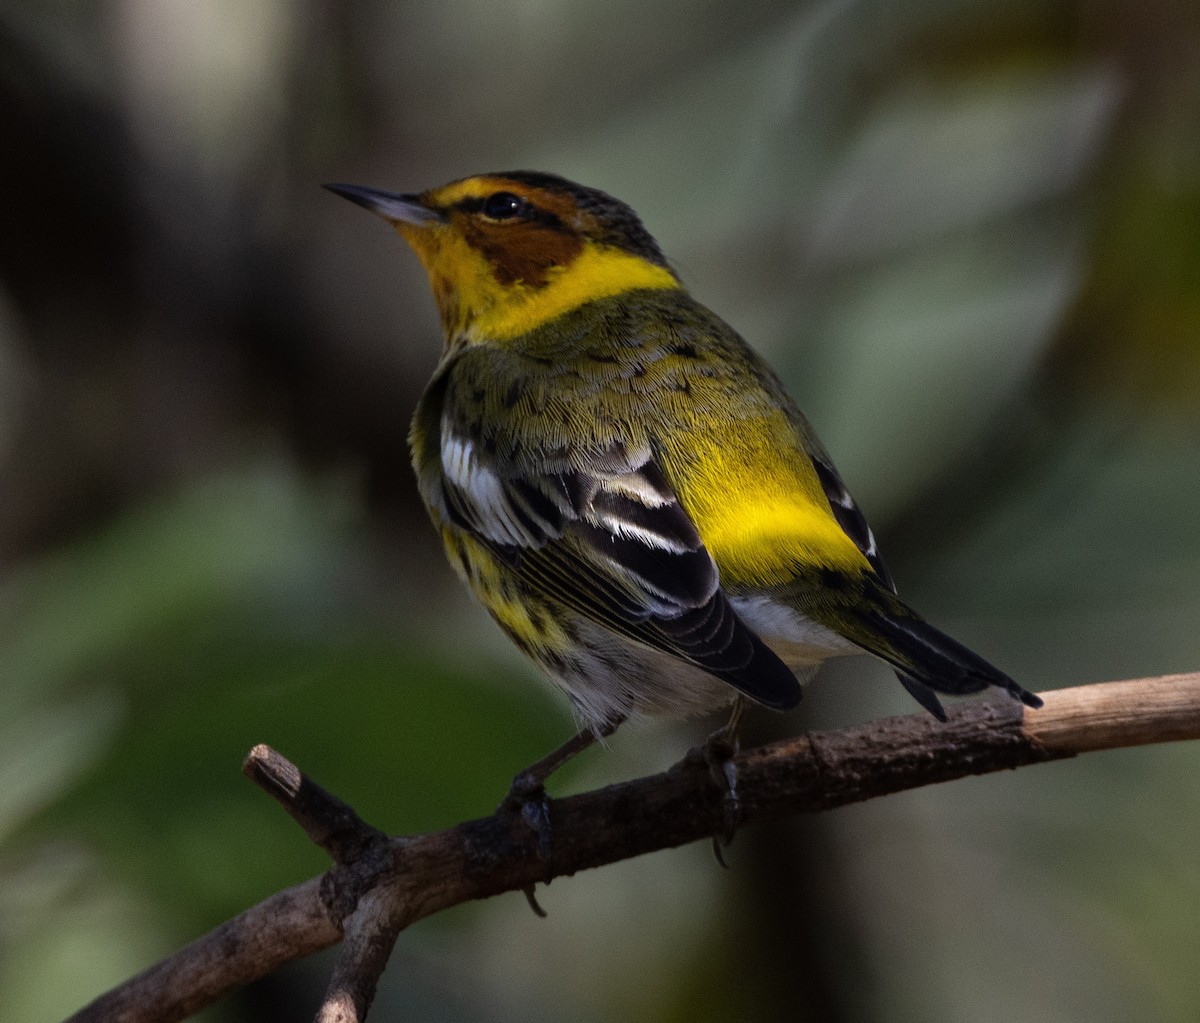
800	642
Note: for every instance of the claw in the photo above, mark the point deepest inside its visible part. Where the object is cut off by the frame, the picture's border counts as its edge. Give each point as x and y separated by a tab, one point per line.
719	853
531	898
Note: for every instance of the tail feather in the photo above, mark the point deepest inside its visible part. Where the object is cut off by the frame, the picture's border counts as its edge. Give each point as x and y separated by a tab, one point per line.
927	659
925	696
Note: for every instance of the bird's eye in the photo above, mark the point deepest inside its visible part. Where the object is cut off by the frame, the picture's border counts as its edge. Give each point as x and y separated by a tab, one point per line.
502	206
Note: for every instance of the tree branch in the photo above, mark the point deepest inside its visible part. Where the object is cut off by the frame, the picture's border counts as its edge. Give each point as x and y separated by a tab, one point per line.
379	885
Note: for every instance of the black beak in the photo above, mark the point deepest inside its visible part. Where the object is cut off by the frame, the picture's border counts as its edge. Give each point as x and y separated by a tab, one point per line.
392	206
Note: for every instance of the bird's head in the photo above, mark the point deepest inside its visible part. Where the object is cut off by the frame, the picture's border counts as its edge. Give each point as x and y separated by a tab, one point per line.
508	252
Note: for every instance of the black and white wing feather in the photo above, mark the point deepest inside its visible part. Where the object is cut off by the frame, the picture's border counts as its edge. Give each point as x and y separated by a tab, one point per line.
604	534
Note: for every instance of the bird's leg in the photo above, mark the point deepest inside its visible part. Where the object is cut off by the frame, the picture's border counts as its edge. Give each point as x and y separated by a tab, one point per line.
533	779
718	753
527	795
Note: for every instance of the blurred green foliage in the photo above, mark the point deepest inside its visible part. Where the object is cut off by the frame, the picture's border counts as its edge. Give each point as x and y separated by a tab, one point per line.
967	233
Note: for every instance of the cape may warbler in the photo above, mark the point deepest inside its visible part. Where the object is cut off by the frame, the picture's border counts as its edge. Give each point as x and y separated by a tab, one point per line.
623	483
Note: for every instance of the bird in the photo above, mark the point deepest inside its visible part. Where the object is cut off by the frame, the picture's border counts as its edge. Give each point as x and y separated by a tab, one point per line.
624	483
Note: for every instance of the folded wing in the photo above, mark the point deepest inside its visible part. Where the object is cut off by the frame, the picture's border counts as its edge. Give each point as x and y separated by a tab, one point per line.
604	534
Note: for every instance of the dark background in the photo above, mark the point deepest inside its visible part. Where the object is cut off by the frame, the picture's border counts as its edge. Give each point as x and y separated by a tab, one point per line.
967	233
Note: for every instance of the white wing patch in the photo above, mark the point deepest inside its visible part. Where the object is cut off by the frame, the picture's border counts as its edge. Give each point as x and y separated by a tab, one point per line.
635	486
632	502
626	531
479	494
617	517
620	512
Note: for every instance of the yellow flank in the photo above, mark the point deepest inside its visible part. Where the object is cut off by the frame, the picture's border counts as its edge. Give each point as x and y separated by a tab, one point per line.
759	508
478	568
597	272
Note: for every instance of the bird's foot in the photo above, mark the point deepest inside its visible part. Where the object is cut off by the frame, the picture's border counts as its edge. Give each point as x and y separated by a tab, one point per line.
528	799
718	753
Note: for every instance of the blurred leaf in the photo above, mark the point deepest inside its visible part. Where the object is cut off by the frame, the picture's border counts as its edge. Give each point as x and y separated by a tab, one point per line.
43	752
935	157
